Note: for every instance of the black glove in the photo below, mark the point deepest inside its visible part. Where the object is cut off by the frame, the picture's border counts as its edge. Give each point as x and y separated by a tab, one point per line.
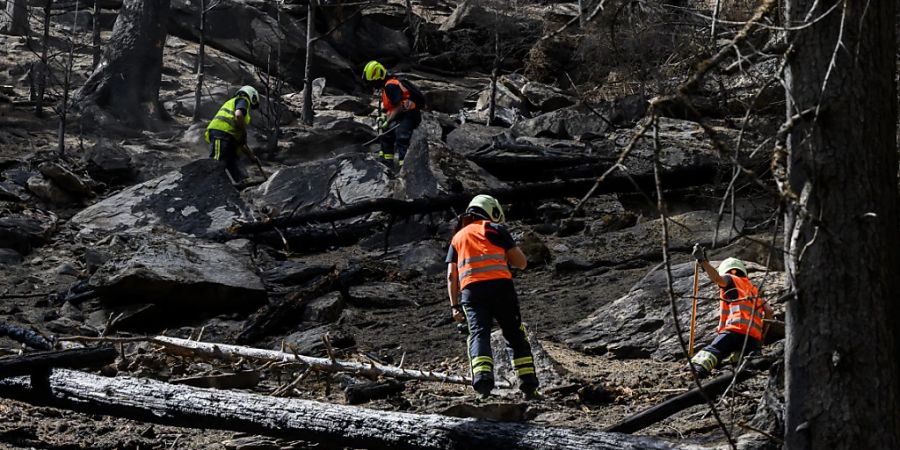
699	253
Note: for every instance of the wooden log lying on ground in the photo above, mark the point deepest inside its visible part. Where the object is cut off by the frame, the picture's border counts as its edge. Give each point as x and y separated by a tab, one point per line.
186	347
690	398
335	425
25	336
79	358
523	192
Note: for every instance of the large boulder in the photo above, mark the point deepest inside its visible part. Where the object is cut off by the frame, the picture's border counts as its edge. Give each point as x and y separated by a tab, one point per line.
48	191
446	96
471	137
431	169
368	34
65	179
573	122
640	325
181	274
109	163
27	229
336	137
546	98
323	184
196	199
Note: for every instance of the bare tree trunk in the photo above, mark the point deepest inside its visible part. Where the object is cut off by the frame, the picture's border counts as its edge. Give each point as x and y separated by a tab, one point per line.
307	113
124	89
15	21
43	64
492	111
95	33
64	106
842	227
201	56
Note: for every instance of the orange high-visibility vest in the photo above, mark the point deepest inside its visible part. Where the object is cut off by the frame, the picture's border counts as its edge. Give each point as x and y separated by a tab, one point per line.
388	106
744	315
477	258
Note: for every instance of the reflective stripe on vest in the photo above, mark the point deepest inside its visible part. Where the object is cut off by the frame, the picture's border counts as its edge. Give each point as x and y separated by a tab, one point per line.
388	106
224	120
478	259
744	315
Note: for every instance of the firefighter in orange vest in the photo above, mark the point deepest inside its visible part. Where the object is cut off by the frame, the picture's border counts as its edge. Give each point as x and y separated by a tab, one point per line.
478	263
402	102
741	313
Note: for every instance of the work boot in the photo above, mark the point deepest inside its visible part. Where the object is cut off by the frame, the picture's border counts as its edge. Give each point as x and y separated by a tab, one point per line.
698	369
484	387
531	394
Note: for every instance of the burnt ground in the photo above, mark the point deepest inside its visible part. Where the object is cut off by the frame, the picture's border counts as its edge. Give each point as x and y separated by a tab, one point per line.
421	336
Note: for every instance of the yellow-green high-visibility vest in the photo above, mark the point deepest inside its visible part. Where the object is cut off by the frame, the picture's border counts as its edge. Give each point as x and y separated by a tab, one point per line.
224	120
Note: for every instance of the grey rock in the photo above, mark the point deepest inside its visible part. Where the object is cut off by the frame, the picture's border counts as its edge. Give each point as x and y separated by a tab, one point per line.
9	256
65	179
380	295
309	341
109	163
335	138
684	230
27	229
48	191
343	103
322	185
70	327
546	98
327	308
639	324
535	249
12	192
444	96
289	273
175	271
195	199
505	98
426	258
470	137
431	169
573	122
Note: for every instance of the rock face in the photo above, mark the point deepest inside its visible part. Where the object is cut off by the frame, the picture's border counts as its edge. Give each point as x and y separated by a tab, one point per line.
196	199
332	139
322	184
470	137
182	275
573	122
639	325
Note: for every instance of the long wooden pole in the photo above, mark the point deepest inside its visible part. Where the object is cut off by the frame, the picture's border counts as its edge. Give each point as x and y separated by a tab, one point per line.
694	308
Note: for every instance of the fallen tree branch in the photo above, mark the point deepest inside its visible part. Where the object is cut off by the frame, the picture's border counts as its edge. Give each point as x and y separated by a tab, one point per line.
227	352
681	402
159	402
78	358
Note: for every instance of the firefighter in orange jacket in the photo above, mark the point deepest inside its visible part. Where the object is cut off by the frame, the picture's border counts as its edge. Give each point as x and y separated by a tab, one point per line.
478	263
403	113
741	312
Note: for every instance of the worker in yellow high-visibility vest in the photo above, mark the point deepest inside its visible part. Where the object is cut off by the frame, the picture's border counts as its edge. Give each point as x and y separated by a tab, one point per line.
227	131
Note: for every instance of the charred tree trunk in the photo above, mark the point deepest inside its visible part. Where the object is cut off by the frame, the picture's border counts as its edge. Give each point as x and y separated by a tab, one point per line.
842	227
64	105
307	113
124	88
79	358
42	66
15	21
158	402
95	34
201	56
492	112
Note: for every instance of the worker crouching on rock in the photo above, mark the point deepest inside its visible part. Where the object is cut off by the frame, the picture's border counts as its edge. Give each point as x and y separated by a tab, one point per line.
741	314
226	133
478	263
403	102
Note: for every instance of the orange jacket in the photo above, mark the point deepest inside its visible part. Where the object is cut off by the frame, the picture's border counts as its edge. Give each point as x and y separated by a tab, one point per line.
477	258
744	315
388	106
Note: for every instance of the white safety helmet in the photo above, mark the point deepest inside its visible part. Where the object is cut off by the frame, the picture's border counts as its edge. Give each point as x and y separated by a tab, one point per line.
487	207
251	94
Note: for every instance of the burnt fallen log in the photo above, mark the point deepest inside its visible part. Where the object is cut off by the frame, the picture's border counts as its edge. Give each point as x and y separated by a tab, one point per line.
523	192
25	336
690	398
37	363
178	405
